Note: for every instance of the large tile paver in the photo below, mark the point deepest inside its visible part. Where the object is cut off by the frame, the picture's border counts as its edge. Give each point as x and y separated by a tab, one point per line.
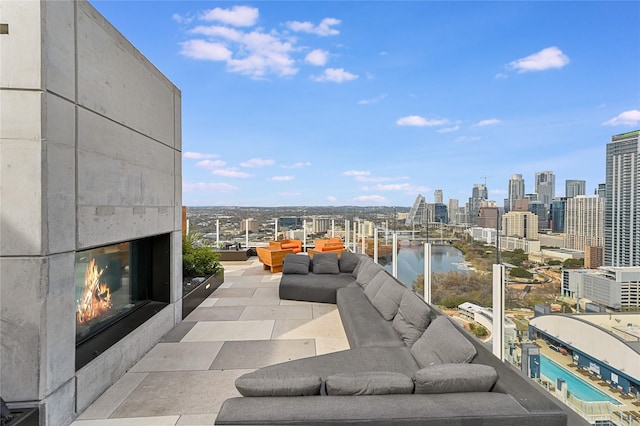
215	313
178	357
184	392
276	312
259	353
134	421
212	331
109	401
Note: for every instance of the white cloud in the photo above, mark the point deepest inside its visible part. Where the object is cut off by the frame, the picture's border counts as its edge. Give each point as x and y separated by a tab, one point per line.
371	101
398	187
501	76
298	165
257	162
488	122
335	75
281	178
499	192
324	28
317	57
255	53
231	173
181	19
198	155
548	58
449	129
208	187
201	49
238	16
463	139
416	120
290	194
211	164
331	199
376	199
356	173
627	118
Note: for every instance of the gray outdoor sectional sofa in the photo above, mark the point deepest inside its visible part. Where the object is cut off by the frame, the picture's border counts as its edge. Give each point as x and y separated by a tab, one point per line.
409	364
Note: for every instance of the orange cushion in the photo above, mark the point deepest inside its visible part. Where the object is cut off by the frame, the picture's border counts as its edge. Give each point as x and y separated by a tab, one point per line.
289	245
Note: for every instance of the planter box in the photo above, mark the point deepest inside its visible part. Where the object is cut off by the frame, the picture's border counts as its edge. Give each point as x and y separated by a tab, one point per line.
194	295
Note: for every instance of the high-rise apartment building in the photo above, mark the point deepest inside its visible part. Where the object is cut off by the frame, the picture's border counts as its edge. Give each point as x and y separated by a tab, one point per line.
584	221
574	187
437	195
479	194
540	210
546	187
601	190
516	190
453	210
622	217
557	214
417	212
520	224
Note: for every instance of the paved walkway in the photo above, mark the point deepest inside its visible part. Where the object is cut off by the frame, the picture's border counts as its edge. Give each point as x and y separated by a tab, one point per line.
242	326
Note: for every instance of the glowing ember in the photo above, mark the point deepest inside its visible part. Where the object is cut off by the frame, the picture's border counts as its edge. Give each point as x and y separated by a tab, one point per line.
96	299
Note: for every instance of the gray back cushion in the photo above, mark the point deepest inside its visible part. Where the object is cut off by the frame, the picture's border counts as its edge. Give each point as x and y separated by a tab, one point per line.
450	378
367	271
412	318
442	343
348	261
387	299
282	384
295	264
361	261
375	284
369	383
326	263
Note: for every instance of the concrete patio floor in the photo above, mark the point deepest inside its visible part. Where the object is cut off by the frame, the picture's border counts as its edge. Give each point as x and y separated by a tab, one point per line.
242	326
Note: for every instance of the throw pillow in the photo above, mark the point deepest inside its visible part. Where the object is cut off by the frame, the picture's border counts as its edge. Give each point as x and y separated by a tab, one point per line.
348	261
325	263
368	383
375	284
449	378
412	318
279	384
442	343
361	262
295	264
387	299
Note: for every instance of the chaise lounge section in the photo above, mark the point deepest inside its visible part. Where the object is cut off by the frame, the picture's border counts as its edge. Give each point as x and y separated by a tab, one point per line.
408	363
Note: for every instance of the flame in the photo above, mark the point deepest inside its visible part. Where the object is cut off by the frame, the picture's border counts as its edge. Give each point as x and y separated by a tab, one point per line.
96	299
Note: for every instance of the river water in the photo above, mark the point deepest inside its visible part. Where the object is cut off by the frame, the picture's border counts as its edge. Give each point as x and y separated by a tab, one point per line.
411	261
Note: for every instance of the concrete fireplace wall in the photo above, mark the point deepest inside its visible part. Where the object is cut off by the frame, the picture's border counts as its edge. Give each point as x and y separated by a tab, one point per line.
90	155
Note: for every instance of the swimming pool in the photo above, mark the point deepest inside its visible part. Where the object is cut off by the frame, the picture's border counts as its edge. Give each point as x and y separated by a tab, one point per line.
579	388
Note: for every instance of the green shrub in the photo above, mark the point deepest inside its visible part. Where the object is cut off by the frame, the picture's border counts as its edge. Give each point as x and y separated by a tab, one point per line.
198	261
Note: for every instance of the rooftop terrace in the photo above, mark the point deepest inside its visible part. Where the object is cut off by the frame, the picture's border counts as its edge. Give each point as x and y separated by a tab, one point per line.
242	326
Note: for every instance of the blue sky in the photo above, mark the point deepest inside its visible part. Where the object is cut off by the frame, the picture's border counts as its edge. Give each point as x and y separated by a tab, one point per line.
372	103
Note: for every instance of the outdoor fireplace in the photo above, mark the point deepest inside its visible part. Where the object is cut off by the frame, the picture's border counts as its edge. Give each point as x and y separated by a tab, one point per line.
117	288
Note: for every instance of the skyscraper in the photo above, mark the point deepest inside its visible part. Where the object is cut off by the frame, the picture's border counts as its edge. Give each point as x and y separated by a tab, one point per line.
520	224
437	195
584	221
453	210
546	187
574	187
417	213
557	214
478	195
516	190
622	221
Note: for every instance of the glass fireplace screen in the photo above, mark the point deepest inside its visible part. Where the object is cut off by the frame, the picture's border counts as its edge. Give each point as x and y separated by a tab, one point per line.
109	284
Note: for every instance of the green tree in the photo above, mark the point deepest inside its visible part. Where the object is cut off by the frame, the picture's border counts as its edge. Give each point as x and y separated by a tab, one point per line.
520	273
573	263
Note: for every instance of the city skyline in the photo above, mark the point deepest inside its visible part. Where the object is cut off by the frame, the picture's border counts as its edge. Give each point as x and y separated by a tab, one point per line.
372	103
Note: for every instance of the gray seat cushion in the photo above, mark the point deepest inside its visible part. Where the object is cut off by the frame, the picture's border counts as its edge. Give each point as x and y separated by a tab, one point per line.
442	343
362	323
367	271
319	288
412	318
396	359
368	383
449	378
